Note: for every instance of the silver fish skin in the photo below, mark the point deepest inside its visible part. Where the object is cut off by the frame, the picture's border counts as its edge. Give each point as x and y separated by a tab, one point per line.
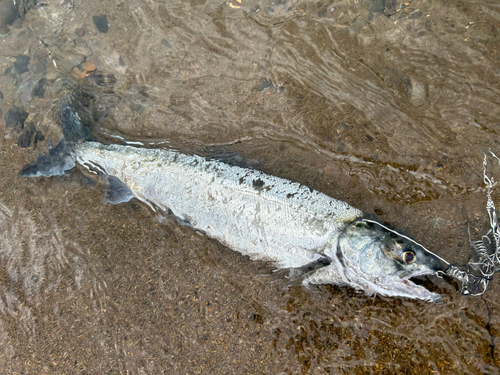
266	218
262	216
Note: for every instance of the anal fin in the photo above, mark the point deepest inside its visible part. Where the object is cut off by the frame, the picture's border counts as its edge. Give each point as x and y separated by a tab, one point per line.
116	191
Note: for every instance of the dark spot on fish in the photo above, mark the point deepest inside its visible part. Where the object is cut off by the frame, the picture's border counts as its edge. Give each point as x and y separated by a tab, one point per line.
289	195
258	184
241	180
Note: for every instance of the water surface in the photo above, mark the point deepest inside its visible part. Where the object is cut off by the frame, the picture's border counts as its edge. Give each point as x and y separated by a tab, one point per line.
387	105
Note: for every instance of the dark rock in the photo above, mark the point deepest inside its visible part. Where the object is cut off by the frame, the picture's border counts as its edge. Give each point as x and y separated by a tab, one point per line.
377	6
8	13
166	43
26	136
101	22
39	89
23	6
15	116
266	84
380	6
38	137
30	88
21	63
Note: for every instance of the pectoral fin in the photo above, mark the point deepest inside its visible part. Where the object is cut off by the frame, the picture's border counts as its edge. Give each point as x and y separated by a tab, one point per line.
298	275
116	191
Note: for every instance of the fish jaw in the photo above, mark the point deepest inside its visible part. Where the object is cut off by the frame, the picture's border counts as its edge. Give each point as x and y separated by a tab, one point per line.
417	291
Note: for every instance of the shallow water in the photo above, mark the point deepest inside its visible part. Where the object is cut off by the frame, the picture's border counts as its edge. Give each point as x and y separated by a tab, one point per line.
387	105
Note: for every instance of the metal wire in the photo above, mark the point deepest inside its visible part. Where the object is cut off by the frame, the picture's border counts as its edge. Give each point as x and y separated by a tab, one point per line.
477	275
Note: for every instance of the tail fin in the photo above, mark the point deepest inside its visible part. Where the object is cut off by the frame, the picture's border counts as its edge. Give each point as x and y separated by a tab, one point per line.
54	163
60	158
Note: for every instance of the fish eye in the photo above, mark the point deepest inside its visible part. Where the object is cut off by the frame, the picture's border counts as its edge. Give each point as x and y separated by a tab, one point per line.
409	257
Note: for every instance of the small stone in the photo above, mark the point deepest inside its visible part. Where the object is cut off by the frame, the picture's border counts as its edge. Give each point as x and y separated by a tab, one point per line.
39	89
101	22
80	32
26	136
166	43
21	63
40	67
15	116
8	13
70	61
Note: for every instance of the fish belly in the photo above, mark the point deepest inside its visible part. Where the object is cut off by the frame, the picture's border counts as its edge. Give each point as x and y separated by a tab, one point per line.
259	215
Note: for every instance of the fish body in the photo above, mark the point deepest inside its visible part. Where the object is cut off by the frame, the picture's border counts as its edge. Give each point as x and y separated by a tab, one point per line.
262	216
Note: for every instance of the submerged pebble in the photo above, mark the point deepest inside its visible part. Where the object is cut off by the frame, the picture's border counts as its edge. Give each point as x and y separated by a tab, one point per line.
15	116
101	22
21	63
166	43
8	13
80	31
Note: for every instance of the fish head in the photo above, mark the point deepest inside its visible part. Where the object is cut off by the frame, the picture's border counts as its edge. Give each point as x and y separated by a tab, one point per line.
382	261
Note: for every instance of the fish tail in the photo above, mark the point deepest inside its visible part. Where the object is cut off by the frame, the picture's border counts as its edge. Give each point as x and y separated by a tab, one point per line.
60	158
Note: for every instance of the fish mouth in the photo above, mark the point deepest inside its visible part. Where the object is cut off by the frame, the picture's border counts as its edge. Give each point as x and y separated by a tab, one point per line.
402	287
417	291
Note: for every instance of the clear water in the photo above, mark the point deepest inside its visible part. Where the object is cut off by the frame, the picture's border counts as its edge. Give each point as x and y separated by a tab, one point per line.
387	105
